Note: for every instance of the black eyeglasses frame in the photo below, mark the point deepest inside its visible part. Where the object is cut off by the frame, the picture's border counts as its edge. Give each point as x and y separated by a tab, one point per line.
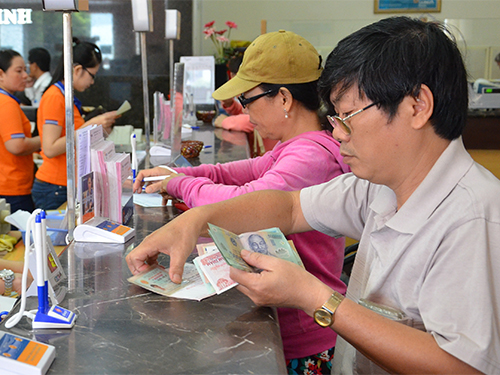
245	101
91	75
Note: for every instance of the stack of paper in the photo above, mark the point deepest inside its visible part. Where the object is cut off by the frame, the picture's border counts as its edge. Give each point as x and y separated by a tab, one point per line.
99	153
213	269
120	187
112	191
156	280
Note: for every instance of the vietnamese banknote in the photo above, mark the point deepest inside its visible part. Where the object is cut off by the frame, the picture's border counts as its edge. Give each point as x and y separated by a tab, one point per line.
269	241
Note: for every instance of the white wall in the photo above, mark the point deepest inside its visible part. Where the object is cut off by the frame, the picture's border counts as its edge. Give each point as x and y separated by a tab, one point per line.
325	22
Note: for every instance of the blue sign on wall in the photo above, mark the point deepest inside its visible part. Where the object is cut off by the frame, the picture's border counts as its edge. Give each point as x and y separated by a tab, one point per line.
402	6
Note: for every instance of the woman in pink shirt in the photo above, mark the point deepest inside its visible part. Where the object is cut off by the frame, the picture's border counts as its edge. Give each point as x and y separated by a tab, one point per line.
277	82
233	118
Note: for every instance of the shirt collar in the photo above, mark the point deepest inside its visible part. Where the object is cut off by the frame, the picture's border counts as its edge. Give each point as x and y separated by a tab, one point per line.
436	186
2	91
44	78
77	102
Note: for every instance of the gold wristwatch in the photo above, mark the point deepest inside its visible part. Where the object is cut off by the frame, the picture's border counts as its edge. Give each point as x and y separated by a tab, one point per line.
324	315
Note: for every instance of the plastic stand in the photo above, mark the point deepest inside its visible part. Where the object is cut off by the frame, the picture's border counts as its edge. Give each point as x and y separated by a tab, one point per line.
45	316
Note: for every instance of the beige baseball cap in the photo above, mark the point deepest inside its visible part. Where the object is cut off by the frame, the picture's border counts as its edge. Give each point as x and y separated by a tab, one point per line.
280	57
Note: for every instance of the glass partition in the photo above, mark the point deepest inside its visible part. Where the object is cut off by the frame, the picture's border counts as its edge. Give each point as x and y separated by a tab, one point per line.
108	23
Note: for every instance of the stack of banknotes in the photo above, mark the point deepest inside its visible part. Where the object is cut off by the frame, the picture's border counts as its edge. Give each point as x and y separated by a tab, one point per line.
268	241
210	275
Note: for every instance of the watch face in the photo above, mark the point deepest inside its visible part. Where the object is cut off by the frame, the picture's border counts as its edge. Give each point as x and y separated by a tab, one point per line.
323	318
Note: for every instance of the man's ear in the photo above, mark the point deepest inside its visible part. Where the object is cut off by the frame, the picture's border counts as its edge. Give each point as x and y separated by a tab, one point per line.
423	106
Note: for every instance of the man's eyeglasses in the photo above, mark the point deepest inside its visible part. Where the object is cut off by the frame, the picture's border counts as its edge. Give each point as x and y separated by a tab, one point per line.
92	75
245	101
341	122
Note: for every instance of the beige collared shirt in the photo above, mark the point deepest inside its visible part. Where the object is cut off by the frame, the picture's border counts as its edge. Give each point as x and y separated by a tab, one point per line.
436	259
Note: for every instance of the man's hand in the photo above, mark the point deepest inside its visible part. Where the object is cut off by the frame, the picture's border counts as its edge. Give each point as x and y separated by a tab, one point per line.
176	239
281	283
30	81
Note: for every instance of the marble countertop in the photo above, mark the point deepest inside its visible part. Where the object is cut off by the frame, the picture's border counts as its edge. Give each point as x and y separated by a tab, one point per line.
124	329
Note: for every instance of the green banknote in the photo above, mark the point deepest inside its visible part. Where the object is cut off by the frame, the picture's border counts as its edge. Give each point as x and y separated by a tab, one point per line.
268	241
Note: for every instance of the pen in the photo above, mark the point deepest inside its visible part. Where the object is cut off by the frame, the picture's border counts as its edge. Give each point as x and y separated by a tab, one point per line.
40	282
45	252
133	141
187	126
155	178
167	168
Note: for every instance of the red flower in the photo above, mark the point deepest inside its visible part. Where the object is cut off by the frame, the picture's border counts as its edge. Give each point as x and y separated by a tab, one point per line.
222	43
208	32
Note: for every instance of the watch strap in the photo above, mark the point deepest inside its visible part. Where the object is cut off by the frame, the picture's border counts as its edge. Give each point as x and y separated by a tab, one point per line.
333	302
324	316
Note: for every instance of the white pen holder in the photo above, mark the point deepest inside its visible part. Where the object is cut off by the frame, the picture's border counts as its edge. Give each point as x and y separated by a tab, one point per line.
43	263
56	274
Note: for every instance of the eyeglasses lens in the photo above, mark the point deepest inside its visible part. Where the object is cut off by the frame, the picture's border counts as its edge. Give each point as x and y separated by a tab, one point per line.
336	121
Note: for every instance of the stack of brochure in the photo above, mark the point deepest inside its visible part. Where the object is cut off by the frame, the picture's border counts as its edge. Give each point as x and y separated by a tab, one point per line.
103	187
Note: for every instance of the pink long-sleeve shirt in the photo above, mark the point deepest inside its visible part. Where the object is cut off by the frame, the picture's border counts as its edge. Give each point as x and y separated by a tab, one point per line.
308	159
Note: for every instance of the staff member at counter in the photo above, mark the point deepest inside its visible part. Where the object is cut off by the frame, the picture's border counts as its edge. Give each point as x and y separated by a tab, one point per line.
278	79
428	216
17	145
49	189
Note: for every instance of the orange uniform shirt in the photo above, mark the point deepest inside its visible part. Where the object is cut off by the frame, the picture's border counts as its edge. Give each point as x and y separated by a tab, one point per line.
16	177
52	111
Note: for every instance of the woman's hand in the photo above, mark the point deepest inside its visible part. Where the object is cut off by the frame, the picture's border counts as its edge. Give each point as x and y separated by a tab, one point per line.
227	103
156	186
152	172
107	121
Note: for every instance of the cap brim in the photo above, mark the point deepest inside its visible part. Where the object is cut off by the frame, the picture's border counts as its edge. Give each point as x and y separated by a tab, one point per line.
233	88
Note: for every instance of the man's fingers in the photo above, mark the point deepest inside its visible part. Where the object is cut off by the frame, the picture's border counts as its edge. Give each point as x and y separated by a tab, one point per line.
133	264
176	270
237	275
258	260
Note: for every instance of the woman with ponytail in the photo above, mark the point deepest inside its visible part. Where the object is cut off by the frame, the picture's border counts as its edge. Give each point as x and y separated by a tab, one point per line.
49	189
